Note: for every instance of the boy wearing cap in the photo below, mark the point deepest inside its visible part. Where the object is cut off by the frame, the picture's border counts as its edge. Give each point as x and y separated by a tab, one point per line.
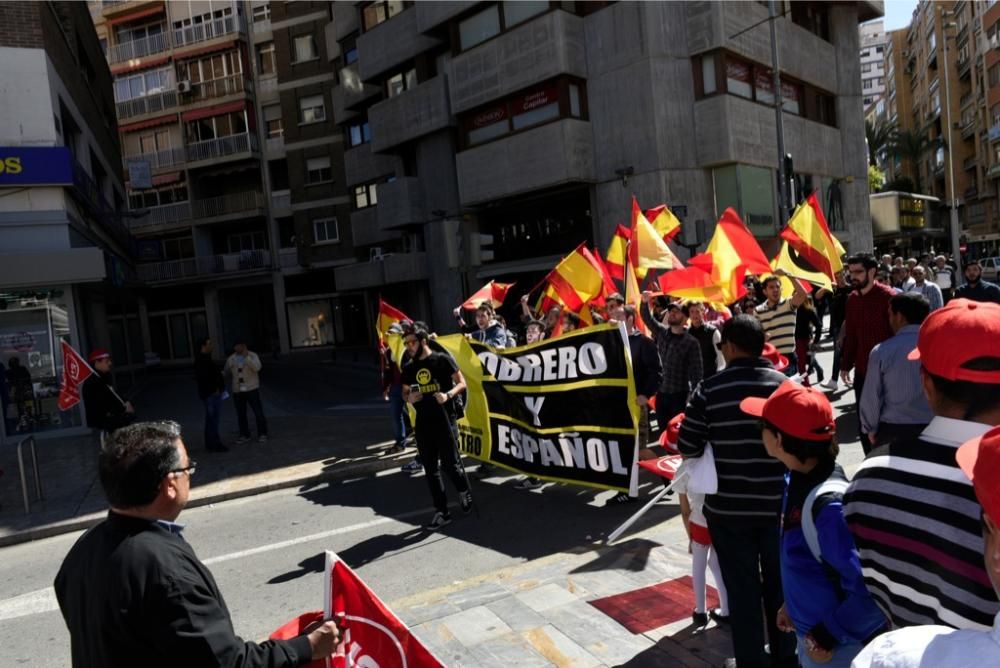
914	516
932	646
826	601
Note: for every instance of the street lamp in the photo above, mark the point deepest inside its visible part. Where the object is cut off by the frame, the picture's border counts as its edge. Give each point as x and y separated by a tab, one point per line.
955	227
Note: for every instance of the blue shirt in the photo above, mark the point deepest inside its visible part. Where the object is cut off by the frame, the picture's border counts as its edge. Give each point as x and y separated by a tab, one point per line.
893	392
931	292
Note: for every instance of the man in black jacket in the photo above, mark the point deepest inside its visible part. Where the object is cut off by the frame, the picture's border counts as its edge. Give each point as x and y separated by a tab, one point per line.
645	370
132	591
210	388
105	410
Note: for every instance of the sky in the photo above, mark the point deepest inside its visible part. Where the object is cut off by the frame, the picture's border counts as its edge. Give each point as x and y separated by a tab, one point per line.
898	13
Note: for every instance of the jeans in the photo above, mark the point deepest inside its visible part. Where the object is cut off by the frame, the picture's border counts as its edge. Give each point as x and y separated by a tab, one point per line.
748	557
437	445
396	413
241	399
213	408
842	656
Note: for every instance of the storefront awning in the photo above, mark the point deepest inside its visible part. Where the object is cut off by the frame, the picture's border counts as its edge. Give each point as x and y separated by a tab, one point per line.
217	110
152	122
141	13
164	179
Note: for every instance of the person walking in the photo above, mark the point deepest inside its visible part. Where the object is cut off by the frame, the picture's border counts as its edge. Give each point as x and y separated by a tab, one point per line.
243	367
105	410
431	381
211	387
132	590
975	287
930	291
743	515
680	360
708	338
808	332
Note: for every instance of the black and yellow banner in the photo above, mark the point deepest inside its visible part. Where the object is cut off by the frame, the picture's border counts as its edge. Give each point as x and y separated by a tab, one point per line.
561	410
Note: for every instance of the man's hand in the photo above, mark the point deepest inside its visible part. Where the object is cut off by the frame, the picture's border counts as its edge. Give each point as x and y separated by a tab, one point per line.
641	399
414	396
457	312
817	653
324	639
872	438
779	272
524	299
646	296
845	376
129	408
440	397
783	623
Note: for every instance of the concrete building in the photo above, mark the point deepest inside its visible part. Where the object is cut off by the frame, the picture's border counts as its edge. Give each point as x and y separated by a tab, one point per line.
874	40
65	266
898	103
486	140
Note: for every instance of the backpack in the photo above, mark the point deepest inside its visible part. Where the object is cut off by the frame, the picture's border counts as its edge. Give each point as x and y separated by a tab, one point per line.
833	486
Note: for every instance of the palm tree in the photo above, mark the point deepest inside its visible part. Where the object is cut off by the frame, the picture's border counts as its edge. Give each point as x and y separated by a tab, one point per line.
879	135
910	147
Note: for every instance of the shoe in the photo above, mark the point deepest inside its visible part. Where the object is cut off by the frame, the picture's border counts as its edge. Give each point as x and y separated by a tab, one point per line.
412	467
242	439
262	438
716	614
396	449
729	663
699	619
439	520
217	448
485	471
465	500
831	384
622	497
528	483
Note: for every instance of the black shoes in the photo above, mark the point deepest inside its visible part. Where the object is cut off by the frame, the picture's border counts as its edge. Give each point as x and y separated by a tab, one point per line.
701	619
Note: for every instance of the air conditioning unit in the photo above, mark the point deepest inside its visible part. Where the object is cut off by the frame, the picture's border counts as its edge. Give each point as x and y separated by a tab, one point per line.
183	86
375	254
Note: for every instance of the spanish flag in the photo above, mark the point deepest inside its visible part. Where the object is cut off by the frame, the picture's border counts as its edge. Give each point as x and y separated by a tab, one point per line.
616	255
798	266
387	316
809	235
574	282
664	222
493	292
647	249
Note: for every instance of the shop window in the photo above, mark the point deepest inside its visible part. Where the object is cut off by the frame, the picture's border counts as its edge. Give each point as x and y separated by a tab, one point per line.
325	231
318	170
266	63
738	78
535	108
304	48
310	323
365	195
561	98
401	82
750	191
380	12
311	109
358	134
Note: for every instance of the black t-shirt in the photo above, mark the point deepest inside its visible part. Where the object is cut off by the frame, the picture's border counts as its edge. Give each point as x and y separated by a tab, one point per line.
429	375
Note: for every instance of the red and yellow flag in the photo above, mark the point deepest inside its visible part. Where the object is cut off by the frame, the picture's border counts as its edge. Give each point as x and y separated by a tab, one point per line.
574	282
387	316
664	222
647	249
616	258
493	292
809	236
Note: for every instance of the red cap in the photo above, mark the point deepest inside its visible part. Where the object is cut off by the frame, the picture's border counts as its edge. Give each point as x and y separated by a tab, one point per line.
956	334
770	353
799	411
979	459
98	354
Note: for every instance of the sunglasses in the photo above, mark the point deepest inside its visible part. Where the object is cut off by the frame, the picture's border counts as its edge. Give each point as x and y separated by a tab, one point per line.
189	469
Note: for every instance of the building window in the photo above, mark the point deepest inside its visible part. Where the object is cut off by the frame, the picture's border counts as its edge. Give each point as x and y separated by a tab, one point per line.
325	231
738	78
214	127
311	109
144	199
142	84
245	241
265	58
750	191
318	170
535	108
560	98
522	10
498	18
304	48
401	82
358	133
708	74
365	195
349	50
310	323
273	122
261	13
380	12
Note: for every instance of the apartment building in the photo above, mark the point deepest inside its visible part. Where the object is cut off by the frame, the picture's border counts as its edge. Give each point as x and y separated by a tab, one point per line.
898	102
65	265
485	140
874	40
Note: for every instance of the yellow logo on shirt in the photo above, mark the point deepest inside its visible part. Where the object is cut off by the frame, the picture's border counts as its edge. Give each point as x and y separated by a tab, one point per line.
424	377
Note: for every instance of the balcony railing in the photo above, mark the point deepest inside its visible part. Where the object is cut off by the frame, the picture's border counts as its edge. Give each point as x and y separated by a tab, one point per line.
148	104
206	31
231	85
139	48
223	146
90	192
166	158
227	204
208	265
163	215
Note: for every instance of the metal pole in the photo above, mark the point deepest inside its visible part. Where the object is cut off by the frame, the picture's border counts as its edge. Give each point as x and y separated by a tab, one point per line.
778	127
955	228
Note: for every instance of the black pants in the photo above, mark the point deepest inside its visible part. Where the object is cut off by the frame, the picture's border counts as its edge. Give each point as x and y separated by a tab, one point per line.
253	398
668	405
749	560
859	385
437	445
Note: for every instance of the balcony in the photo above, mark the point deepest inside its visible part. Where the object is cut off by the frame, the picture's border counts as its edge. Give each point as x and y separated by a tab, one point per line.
167	214
995	132
361	165
351	92
993	172
149	104
553	154
400	203
92	196
432	13
969	128
411	114
229	25
964	66
365	230
170	157
971	193
222	147
205	266
405	267
242	204
139	48
969	163
360	275
231	85
274	147
542	48
391	43
288	258
281	203
392	268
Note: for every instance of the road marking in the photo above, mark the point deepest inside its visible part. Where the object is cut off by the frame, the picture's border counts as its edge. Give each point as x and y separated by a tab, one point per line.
44	600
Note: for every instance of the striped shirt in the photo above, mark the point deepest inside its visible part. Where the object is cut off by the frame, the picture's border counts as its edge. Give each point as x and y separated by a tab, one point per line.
778	322
916	523
751	483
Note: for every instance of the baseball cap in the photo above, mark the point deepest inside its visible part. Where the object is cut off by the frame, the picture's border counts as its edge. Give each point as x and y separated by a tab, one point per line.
98	354
799	411
777	360
673	305
953	336
615	297
979	458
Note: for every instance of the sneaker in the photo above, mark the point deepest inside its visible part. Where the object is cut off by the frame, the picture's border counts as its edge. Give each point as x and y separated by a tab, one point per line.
716	614
465	500
485	471
528	483
699	619
242	439
439	520
831	384
412	467
396	449
262	438
622	497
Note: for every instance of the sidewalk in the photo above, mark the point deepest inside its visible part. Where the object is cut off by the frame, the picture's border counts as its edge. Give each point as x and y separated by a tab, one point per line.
325	422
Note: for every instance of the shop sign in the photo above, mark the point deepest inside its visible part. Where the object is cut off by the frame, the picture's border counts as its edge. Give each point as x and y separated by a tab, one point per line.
534	100
35	166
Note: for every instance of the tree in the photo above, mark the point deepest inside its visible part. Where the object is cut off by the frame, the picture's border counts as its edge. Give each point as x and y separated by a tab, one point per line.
879	135
876	179
910	147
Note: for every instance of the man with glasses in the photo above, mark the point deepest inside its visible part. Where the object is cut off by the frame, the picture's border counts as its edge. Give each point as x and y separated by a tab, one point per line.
132	590
431	381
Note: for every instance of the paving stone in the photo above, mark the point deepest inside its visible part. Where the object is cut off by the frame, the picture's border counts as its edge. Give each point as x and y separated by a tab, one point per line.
425	612
545	597
602	583
623	649
551	643
478	595
513	650
475	625
583	623
517	615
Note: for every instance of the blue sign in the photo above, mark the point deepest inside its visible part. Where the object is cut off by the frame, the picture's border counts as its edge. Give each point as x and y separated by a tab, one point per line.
35	166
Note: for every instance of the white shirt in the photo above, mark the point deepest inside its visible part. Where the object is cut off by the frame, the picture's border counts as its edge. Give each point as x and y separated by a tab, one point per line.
932	647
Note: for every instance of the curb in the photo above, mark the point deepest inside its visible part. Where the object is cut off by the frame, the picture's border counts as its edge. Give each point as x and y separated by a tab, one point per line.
87	521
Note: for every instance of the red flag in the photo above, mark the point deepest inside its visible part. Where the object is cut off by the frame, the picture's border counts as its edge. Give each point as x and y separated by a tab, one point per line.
493	292
665	467
387	316
75	371
609	282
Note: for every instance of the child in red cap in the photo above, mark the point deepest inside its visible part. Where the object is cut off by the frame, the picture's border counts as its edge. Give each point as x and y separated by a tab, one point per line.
826	602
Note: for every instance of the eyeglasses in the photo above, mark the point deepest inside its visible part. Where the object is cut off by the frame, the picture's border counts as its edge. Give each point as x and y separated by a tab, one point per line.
411	342
189	469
